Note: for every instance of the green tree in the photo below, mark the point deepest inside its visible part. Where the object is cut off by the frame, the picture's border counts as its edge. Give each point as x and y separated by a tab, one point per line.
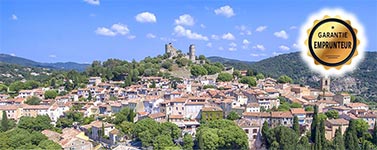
259	76
374	134
350	136
296	125
237	74
162	141
38	123
208	139
202	57
3	88
295	105
285	79
197	71
224	77
233	116
171	129
50	94
309	108
4	122
50	145
265	133
332	114
127	128
248	80
153	85
338	141
33	100
125	114
303	144
361	128
90	96
249	72
188	143
314	125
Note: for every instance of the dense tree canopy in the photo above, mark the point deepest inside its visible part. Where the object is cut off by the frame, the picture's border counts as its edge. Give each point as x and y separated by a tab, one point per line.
248	80
33	100
221	134
225	77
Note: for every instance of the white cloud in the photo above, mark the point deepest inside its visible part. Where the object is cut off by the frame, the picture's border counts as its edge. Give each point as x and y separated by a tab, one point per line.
276	53
150	36
281	34
181	31
209	44
294	45
232	44
232	48
226	11
105	31
228	36
52	56
215	37
14	17
146	17
12	54
245	42
116	29
284	48
119	28
202	26
259	46
254	55
293	27
92	2
243	30
185	19
165	39
221	48
131	37
261	28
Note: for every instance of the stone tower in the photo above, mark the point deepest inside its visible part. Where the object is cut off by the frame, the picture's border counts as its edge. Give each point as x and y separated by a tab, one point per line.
192	53
325	84
170	50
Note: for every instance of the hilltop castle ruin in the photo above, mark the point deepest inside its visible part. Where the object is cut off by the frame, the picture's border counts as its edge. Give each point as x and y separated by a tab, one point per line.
173	52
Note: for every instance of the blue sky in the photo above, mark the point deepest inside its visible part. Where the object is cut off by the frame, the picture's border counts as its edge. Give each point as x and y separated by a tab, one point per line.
87	30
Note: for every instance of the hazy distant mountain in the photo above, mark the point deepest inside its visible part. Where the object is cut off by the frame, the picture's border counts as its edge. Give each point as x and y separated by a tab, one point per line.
5	58
362	81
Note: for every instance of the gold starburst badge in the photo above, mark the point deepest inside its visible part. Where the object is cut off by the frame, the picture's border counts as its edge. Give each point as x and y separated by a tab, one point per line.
332	42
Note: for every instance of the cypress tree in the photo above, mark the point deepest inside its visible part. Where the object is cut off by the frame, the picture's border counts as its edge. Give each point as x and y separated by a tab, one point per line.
374	140
314	124
265	130
322	132
4	122
338	141
296	125
351	137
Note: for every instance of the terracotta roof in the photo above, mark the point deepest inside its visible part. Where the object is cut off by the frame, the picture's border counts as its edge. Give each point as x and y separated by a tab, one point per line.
179	100
211	108
298	111
176	117
281	114
256	114
339	121
8	107
253	105
247	123
352	105
156	115
143	113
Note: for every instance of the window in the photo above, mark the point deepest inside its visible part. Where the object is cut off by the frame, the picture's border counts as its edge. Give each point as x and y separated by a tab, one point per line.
183	108
247	131
255	130
176	108
254	136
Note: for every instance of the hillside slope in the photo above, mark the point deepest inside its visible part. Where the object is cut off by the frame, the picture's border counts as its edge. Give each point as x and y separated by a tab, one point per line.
362	81
5	58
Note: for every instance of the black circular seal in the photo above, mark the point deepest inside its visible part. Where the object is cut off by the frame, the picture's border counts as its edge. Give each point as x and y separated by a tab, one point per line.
349	27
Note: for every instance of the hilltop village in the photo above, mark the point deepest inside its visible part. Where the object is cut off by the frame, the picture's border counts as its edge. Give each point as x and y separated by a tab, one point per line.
158	112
